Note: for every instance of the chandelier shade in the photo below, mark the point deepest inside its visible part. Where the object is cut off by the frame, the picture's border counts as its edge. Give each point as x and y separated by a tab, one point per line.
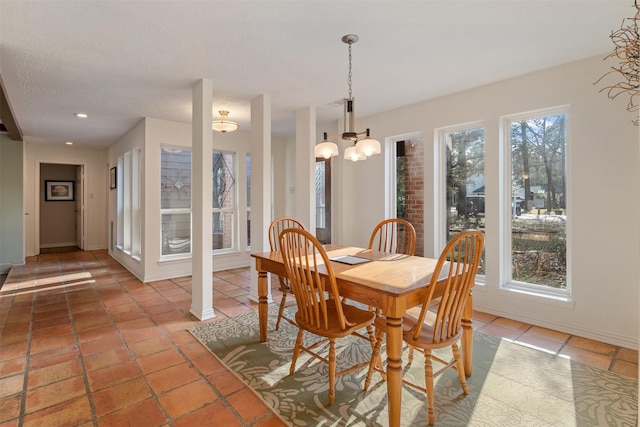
224	125
361	149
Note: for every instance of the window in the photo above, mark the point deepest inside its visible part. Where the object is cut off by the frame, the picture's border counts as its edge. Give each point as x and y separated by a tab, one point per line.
248	179
536	200
175	200
129	230
224	200
465	181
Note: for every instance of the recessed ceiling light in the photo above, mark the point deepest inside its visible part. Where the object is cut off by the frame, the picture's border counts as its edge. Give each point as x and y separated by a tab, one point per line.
69	143
81	115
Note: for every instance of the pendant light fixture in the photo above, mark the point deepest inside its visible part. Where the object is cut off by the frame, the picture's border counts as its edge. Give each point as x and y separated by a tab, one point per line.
361	149
224	125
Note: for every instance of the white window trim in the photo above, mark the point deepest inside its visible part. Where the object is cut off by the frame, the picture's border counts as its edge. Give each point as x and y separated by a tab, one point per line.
562	296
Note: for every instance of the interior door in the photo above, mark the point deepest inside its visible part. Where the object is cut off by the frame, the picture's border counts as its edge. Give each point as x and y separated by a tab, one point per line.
79	207
323	200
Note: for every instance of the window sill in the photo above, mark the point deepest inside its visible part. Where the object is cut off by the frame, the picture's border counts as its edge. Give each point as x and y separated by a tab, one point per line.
558	300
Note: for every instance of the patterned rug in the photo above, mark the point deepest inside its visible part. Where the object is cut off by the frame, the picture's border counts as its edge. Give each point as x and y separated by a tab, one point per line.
511	385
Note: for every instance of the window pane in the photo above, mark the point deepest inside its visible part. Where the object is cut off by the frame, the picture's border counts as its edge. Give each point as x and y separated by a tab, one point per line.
175	179
223	181
320	195
176	233
248	178
538	201
465	183
222	230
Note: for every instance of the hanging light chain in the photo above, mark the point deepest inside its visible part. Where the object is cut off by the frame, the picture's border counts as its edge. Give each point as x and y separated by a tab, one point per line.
349	77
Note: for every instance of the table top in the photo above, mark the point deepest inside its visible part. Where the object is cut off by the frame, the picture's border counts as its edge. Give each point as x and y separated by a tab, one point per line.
388	273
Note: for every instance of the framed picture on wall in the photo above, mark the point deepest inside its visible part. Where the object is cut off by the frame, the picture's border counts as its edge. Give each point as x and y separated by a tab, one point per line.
113	179
58	191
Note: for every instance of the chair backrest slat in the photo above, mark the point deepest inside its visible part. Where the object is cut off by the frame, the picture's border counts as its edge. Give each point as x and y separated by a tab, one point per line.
305	260
461	258
394	235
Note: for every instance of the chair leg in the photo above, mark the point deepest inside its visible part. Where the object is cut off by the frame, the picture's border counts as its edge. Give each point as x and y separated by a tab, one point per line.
460	368
296	351
410	361
332	370
375	359
428	380
281	309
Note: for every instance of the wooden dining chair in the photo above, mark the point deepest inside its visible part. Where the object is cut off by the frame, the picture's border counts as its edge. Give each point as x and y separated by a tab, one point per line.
426	330
321	311
394	235
276	227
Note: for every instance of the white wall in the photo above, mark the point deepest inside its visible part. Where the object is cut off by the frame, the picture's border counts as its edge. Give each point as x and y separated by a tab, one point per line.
96	187
603	207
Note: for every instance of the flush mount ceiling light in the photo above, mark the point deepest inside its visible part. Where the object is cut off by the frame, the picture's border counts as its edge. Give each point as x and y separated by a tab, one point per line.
361	149
81	115
224	125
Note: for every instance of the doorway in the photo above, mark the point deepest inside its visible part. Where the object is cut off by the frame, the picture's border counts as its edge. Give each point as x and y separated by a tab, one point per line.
61	208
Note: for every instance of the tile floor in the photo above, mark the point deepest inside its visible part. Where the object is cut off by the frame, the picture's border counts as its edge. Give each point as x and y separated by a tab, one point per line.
85	343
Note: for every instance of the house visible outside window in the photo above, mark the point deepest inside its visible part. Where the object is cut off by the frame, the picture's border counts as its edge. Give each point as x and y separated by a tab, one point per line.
175	200
465	181
537	201
224	200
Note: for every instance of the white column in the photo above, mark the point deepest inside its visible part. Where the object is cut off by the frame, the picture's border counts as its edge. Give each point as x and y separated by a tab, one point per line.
305	167
202	201
260	183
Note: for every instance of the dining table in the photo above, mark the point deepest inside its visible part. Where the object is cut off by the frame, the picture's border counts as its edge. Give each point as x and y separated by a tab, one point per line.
391	282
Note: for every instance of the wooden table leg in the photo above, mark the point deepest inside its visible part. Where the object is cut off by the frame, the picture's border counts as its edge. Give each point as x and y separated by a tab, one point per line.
467	336
394	369
263	305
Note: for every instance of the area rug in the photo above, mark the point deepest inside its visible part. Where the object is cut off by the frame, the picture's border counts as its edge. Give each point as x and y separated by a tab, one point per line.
511	385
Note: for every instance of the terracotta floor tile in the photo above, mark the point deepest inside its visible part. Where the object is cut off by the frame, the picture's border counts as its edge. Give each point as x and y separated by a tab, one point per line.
208	364
135	335
628	355
146	413
11	385
120	396
194	350
549	334
10	407
500	331
12	367
150	346
160	360
591	345
101	344
53	373
13	351
217	411
226	382
538	342
53	331
107	377
187	398
53	394
107	358
53	356
511	324
625	368
172	377
71	413
587	357
248	405
270	421
48	343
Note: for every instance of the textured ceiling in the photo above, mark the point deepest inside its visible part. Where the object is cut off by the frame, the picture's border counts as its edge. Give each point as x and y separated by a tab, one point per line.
120	61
